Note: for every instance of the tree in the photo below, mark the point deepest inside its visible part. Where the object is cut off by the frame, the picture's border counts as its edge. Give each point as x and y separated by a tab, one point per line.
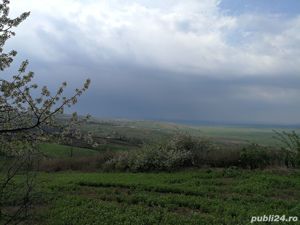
291	147
72	133
25	119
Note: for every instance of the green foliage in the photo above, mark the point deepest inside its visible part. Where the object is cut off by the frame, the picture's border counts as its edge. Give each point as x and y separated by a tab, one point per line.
215	196
83	163
184	151
198	148
61	151
291	147
179	152
73	209
254	156
151	131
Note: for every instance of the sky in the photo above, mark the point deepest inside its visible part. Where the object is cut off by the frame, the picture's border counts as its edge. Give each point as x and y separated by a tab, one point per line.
227	61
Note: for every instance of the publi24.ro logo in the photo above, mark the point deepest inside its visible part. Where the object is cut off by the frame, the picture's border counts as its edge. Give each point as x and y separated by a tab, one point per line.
274	218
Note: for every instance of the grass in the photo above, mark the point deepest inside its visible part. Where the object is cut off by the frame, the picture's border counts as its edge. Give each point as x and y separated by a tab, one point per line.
263	136
54	150
205	196
149	131
115	147
218	196
62	151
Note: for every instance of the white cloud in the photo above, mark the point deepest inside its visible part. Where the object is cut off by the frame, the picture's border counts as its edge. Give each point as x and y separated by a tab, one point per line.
188	36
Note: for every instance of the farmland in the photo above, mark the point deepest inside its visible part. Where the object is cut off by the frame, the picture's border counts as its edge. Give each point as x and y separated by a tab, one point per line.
149	112
148	131
74	188
206	196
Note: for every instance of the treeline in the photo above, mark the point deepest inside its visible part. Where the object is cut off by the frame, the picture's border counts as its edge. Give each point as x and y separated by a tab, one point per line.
182	151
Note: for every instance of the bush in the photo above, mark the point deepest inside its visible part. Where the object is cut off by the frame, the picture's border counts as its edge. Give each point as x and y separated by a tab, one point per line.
161	158
87	163
150	158
179	152
256	156
184	151
121	162
291	149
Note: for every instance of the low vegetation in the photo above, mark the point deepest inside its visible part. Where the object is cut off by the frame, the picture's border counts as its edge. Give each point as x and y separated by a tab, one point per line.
181	151
181	180
205	196
62	170
185	151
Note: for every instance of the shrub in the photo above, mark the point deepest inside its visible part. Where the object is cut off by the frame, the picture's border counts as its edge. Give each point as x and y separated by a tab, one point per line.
255	156
162	157
223	157
181	151
291	149
121	162
86	163
198	148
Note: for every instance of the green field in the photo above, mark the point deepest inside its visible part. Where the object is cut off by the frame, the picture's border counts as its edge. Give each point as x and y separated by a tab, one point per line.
61	151
223	196
53	150
151	131
209	196
121	135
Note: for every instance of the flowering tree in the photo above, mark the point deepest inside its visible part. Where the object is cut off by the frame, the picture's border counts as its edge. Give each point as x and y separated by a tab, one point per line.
72	133
27	113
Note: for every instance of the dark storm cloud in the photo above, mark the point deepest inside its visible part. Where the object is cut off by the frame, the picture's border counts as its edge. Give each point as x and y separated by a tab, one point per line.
149	61
139	93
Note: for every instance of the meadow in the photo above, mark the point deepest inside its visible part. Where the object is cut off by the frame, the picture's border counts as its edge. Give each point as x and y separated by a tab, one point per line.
148	131
205	196
191	60
73	187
